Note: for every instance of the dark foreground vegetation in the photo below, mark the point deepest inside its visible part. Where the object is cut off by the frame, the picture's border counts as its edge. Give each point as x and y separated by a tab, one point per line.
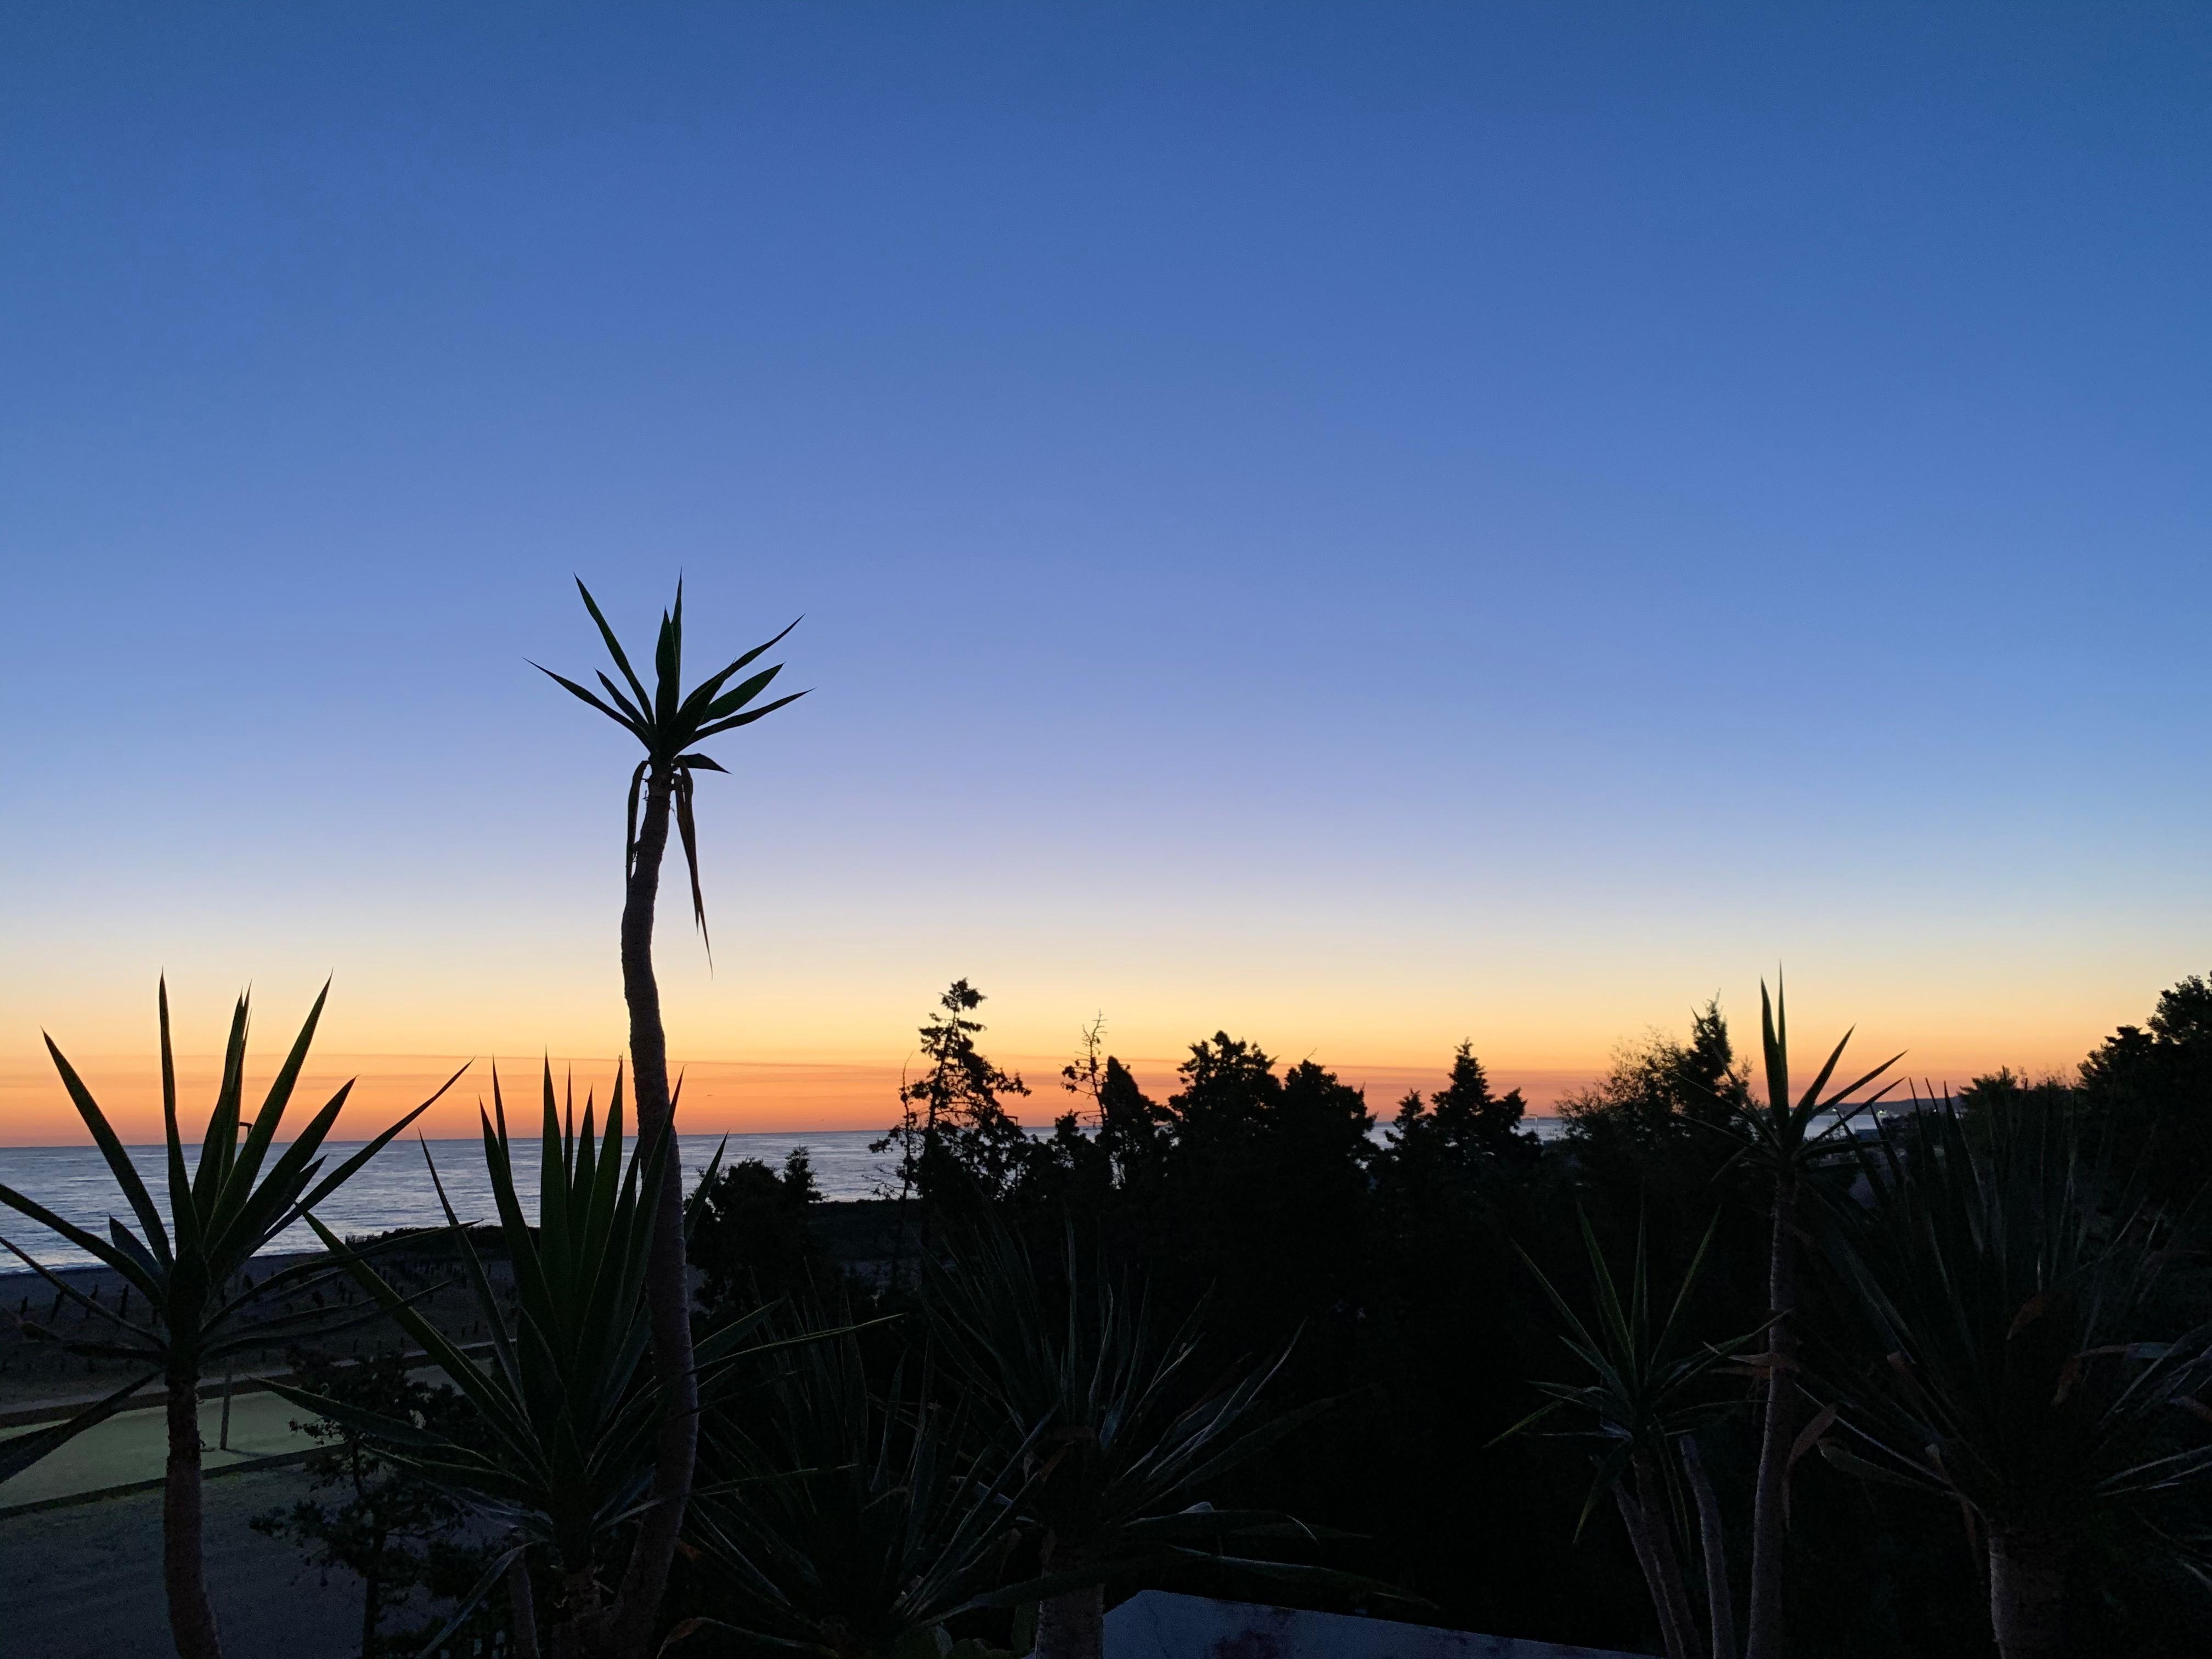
1427	1366
1735	1366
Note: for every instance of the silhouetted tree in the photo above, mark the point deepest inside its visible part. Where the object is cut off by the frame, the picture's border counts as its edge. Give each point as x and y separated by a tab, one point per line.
1658	1090
2150	1088
394	1533
957	1144
1265	1191
751	1240
1463	1123
668	722
1135	1130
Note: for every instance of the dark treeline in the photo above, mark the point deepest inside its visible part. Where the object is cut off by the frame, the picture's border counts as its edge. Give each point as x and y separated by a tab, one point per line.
1406	1274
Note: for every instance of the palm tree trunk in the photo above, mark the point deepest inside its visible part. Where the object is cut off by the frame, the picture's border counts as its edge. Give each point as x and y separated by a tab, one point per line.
1720	1605
523	1607
192	1618
1769	1496
668	1286
1651	1493
371	1606
1073	1626
2028	1593
1672	1636
582	1628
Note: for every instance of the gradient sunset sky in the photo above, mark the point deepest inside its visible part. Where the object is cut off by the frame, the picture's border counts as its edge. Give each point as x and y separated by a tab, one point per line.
1362	525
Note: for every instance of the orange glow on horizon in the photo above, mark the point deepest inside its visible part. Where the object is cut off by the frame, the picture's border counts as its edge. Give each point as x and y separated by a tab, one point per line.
737	1097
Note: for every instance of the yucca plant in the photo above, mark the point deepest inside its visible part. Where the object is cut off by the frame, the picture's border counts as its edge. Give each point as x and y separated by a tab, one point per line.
854	1524
569	1410
668	722
1782	1141
1120	1443
1648	1394
187	1267
2015	1361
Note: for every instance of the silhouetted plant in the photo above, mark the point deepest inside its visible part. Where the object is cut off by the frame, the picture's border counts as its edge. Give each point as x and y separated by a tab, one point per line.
1119	1441
363	1512
1781	1142
560	1451
188	1267
2015	1364
1648	1394
855	1525
668	722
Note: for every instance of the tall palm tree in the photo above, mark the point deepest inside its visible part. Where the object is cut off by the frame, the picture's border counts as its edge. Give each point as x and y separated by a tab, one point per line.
668	722
1782	1142
2016	1362
1648	1393
187	1267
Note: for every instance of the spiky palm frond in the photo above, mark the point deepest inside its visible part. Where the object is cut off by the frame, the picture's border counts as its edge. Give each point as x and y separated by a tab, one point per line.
1122	1444
854	1524
1128	1434
1647	1385
2015	1360
1784	1135
670	722
569	1405
222	1209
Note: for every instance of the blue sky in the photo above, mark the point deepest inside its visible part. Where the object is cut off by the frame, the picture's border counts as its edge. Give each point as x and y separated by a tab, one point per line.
1361	524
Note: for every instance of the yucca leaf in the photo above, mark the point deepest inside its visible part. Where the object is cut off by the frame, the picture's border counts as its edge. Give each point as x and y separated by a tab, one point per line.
704	694
1811	1102
337	1177
181	1185
91	1243
134	1247
141	1353
555	1164
687	833
746	719
736	698
63	1288
247	1165
637	727
227	1235
18	1452
614	646
303	1325
668	662
640	721
629	838
493	1403
111	1148
1849	1089
219	1145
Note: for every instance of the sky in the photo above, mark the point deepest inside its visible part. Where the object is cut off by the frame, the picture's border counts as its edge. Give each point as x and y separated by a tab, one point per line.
1360	526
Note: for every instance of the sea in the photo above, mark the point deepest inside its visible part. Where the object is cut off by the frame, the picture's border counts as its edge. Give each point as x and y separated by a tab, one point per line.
393	1189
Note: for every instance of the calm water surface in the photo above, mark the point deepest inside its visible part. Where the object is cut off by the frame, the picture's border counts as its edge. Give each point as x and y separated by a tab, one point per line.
393	1190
